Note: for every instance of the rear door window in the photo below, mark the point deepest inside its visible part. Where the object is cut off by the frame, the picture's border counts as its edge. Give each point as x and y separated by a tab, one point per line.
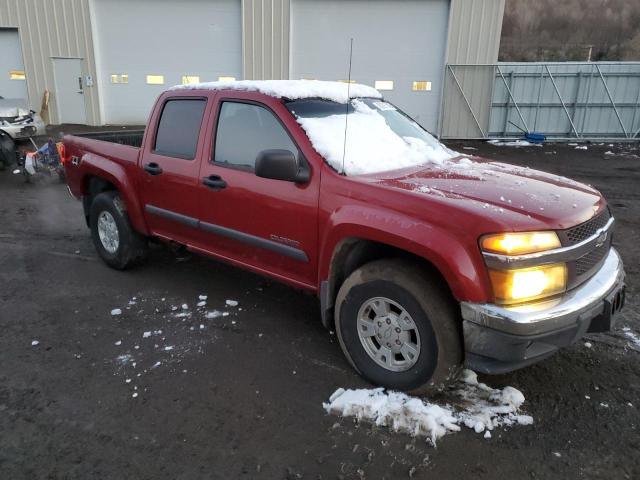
244	130
179	128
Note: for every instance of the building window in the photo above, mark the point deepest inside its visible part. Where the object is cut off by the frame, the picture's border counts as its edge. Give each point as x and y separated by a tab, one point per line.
120	78
155	79
190	79
384	84
17	75
226	79
421	86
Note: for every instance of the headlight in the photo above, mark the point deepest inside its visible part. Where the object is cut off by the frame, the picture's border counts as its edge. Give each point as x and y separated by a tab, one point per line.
528	284
519	243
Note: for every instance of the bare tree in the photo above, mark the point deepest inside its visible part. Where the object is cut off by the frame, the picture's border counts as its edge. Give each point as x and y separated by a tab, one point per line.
552	30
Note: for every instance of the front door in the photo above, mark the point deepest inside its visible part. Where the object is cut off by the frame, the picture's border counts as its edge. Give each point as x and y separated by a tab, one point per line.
267	225
169	168
69	90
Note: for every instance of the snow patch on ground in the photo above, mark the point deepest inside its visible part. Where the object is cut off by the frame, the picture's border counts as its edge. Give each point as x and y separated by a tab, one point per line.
635	339
292	89
513	143
474	405
174	333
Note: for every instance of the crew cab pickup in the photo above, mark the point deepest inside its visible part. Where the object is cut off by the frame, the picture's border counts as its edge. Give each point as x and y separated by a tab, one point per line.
423	259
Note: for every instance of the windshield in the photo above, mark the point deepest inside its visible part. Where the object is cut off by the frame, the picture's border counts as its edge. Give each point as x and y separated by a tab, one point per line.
379	136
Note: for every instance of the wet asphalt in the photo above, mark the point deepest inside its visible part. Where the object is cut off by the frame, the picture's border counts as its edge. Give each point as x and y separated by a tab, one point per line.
151	394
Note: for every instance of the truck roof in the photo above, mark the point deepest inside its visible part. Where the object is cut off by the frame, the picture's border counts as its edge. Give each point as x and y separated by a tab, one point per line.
339	92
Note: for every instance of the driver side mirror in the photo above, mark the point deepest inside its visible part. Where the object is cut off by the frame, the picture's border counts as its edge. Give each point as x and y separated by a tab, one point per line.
281	165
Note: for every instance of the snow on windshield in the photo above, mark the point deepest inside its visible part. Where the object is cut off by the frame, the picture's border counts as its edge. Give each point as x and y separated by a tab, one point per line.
372	145
291	89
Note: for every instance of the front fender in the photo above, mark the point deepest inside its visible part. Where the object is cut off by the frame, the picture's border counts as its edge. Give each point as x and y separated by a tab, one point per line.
456	260
97	166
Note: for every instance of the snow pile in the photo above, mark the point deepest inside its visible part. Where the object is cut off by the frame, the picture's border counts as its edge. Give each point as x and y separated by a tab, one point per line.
514	143
372	146
291	89
631	336
478	407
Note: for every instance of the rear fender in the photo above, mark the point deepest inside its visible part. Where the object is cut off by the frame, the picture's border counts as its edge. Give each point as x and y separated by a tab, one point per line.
97	166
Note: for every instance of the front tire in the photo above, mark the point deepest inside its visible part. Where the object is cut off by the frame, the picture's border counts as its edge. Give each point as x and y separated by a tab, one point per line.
117	243
398	327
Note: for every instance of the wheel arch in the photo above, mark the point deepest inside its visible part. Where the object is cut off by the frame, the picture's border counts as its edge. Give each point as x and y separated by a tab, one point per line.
102	175
352	253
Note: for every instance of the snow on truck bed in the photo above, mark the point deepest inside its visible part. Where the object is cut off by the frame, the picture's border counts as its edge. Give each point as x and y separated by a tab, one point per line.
371	145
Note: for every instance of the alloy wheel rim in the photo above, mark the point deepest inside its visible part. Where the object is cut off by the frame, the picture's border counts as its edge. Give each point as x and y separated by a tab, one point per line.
108	232
388	334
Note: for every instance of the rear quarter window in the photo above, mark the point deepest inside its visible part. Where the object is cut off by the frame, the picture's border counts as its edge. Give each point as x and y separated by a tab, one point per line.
179	128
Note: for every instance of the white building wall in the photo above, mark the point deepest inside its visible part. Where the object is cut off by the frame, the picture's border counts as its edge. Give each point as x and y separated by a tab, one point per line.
136	38
48	29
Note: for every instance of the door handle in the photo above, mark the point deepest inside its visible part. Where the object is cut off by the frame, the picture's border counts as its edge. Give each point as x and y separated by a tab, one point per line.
214	182
153	168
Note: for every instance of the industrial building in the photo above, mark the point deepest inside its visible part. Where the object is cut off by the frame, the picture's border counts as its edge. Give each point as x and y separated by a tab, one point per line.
105	61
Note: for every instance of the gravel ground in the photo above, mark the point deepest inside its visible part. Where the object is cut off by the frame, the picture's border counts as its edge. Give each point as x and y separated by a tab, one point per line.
240	396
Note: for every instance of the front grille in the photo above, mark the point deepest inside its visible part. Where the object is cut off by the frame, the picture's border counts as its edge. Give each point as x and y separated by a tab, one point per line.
585	230
591	259
585	267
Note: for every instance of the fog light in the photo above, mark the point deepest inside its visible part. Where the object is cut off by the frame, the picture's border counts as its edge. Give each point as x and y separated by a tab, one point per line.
527	284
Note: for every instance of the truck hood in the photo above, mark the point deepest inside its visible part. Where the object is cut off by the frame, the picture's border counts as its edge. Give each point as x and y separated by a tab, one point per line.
498	189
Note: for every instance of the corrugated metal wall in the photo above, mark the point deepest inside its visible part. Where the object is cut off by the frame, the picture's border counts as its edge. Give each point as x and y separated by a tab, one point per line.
596	100
474	38
265	39
567	100
52	28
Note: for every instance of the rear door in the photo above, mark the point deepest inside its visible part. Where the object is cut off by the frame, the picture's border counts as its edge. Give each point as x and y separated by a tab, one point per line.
170	166
270	226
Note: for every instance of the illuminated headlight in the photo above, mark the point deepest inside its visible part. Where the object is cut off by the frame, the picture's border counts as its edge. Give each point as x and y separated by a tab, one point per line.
528	284
519	243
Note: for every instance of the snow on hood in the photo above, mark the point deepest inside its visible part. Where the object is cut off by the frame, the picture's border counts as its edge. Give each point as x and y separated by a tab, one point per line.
291	89
371	145
13	107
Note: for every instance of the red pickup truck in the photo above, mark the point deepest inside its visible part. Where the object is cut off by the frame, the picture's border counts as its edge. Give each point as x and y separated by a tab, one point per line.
423	259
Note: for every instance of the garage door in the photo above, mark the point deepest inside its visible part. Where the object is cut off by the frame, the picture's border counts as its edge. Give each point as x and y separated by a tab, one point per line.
399	44
12	78
146	46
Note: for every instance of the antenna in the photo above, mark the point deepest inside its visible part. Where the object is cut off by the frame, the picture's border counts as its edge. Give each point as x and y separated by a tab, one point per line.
346	116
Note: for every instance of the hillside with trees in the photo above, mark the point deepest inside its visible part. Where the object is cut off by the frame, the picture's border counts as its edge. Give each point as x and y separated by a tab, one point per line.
571	30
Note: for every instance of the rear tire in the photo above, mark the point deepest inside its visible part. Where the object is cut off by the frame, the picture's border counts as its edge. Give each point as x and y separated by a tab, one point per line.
416	341
117	243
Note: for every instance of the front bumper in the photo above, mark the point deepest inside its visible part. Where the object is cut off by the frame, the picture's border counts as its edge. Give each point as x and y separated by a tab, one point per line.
23	130
501	339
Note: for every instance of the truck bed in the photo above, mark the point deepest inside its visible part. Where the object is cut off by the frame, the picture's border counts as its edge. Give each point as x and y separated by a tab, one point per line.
132	138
